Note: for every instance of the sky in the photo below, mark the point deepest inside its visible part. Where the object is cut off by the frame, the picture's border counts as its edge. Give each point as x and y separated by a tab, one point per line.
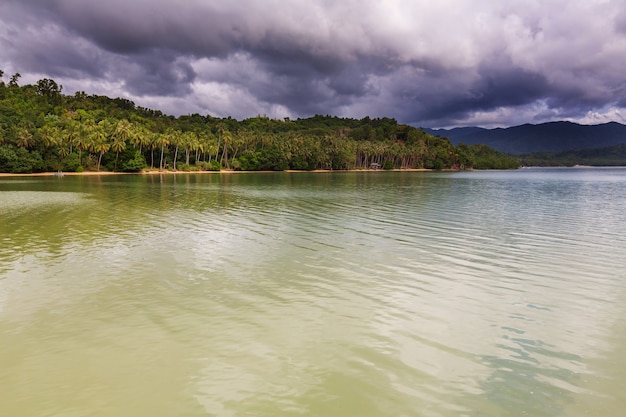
435	64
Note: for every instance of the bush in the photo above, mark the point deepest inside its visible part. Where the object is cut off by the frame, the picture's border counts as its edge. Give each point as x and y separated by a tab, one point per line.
136	164
214	166
299	162
235	164
202	166
19	160
71	162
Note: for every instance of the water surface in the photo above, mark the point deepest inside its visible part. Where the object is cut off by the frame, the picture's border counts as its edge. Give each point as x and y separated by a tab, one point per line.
326	294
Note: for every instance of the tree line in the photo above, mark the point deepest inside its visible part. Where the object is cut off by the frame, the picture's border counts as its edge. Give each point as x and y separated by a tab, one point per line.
606	156
42	129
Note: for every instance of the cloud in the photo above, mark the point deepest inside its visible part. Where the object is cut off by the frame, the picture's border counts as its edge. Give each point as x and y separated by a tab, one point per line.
426	63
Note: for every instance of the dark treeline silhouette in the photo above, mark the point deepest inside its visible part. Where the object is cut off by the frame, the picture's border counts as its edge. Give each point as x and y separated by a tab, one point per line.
609	156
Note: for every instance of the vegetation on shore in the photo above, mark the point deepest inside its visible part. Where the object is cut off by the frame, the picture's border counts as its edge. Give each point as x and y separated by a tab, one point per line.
608	156
41	129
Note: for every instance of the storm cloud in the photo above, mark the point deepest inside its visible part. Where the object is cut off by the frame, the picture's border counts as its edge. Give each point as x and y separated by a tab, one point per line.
433	64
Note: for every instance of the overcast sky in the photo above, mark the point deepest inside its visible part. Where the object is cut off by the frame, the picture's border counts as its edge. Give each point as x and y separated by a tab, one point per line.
428	63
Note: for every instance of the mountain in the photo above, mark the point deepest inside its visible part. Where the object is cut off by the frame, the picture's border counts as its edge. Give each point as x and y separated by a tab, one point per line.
545	137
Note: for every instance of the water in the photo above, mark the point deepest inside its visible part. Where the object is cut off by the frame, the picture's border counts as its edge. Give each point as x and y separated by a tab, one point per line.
314	294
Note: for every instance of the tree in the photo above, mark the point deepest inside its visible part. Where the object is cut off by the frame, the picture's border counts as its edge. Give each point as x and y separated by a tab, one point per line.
24	137
122	133
38	120
174	138
141	137
49	135
191	143
224	134
19	160
14	78
81	137
153	143
99	143
50	90
162	140
136	164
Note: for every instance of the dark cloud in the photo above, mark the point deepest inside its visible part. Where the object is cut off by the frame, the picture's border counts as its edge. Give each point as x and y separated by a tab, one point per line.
420	62
153	74
492	88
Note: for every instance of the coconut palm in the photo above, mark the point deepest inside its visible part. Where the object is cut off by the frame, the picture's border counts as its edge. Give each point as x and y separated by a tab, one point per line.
24	138
122	132
81	138
191	143
162	140
99	143
174	138
49	135
225	135
152	143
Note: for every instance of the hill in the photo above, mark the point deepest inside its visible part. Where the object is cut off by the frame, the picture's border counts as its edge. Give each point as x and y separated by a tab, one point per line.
42	129
545	137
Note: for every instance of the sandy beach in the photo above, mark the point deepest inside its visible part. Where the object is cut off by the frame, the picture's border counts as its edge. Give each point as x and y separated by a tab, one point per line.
171	172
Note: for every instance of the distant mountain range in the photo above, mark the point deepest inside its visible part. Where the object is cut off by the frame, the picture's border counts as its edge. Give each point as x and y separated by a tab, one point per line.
545	137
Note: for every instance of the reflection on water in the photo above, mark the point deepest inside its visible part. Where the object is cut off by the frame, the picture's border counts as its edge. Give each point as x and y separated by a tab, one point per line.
343	294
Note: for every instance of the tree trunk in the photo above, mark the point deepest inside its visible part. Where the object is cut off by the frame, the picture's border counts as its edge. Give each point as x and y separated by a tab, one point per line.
100	159
175	157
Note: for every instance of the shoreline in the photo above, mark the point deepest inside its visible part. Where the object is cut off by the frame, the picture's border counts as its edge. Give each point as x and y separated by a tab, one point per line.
170	172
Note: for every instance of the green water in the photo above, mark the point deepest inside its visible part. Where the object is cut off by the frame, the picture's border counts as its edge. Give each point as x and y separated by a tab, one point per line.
326	294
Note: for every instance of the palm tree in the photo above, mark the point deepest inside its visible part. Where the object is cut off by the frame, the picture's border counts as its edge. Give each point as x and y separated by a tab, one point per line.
174	138
121	134
212	148
135	136
24	138
162	140
99	143
123	130
141	137
117	145
190	142
81	138
152	138
224	133
49	135
209	144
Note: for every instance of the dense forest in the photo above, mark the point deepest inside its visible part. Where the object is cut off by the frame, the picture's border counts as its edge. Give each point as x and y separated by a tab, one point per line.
42	129
609	156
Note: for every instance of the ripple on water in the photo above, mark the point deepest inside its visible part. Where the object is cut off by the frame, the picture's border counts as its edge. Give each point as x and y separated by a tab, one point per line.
378	295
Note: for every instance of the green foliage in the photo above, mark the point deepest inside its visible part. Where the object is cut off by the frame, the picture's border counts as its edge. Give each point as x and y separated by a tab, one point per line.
136	164
213	166
483	157
40	128
609	156
71	163
19	160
